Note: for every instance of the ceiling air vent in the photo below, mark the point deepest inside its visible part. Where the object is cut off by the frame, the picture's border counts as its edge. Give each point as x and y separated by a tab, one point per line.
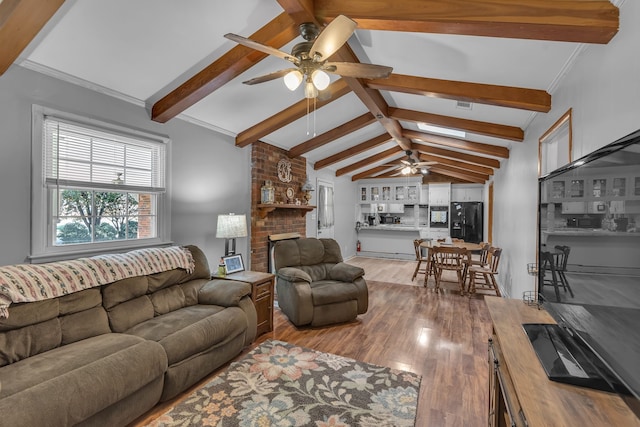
464	105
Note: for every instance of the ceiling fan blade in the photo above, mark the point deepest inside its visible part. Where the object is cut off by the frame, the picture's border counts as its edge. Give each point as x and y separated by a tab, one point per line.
354	69
332	38
406	162
269	77
261	47
425	163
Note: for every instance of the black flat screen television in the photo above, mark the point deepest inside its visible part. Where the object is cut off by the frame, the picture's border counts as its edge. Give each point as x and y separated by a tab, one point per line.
589	271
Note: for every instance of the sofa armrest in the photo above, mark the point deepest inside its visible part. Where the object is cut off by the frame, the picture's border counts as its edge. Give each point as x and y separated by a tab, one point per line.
345	272
226	293
292	274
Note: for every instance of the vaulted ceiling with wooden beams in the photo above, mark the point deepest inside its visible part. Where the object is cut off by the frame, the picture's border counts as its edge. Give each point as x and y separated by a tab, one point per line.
480	67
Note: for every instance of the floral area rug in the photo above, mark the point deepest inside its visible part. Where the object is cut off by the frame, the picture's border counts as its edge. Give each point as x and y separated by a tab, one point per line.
279	384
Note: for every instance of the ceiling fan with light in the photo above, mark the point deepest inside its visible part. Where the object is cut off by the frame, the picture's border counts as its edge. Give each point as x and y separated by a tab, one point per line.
311	58
411	166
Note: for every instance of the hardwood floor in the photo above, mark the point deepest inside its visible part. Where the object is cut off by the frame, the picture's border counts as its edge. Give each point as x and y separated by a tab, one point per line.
441	336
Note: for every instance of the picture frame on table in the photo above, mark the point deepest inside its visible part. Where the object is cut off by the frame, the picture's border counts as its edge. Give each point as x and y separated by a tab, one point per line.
233	263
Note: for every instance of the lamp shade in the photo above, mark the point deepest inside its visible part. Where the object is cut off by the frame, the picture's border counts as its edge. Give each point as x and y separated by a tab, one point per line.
231	226
307	186
320	79
293	79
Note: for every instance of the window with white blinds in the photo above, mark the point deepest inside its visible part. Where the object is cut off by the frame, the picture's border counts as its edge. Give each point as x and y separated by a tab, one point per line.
83	157
96	186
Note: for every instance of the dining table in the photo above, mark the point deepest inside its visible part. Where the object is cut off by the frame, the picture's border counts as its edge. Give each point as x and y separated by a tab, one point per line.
430	244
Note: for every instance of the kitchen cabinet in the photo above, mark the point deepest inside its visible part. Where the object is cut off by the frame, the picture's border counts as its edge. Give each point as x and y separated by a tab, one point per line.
636	188
396	208
424	195
407	194
439	194
574	207
576	189
363	192
464	193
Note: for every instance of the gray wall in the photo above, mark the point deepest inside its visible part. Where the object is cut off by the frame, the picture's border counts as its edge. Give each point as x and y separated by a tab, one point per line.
603	89
209	175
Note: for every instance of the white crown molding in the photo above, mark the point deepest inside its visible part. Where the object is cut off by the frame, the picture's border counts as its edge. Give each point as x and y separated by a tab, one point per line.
198	122
60	75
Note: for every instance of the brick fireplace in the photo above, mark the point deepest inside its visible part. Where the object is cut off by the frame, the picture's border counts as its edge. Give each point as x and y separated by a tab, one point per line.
264	161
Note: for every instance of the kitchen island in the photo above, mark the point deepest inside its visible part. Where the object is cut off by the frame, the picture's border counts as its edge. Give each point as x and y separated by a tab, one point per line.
389	241
582	241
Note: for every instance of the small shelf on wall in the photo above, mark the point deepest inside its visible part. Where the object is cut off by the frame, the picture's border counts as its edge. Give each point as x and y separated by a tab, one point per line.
264	209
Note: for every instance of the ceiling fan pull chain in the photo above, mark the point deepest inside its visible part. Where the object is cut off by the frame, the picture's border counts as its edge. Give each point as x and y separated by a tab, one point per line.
314	117
307	116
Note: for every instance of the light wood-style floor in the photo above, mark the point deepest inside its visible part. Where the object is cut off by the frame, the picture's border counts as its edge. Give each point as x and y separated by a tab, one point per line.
441	336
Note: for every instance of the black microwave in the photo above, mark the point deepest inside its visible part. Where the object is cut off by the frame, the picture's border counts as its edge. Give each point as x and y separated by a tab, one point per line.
583	222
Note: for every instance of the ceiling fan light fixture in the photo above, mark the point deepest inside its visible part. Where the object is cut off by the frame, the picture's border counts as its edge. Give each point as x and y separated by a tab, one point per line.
320	79
406	170
293	79
310	90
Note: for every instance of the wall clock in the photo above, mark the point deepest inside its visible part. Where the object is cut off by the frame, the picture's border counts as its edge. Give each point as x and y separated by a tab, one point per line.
289	193
284	170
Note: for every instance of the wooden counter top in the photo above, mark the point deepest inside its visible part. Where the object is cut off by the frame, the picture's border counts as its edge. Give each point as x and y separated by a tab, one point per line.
545	402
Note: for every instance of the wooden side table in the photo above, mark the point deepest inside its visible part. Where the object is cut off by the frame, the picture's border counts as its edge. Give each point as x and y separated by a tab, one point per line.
261	294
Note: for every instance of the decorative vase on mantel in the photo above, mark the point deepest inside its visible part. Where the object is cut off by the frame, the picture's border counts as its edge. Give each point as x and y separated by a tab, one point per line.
267	193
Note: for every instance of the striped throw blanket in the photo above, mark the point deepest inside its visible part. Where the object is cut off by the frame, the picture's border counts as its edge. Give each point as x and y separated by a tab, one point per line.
36	282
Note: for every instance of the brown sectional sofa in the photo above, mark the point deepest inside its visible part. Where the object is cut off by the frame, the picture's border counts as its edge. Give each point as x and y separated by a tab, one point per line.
106	355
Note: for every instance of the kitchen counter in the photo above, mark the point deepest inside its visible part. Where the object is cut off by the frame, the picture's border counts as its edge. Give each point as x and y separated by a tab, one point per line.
589	249
391	227
591	232
389	241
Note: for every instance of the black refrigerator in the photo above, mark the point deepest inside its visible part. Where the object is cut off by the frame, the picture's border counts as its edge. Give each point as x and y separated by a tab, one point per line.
467	221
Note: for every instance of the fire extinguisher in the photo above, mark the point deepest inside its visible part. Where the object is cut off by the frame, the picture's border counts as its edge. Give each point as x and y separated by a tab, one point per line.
358	246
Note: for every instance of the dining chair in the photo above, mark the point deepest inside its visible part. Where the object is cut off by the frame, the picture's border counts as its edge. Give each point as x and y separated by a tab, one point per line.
484	252
450	258
420	259
486	273
561	256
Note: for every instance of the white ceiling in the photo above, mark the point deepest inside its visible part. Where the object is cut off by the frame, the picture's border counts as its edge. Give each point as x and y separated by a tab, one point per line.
142	49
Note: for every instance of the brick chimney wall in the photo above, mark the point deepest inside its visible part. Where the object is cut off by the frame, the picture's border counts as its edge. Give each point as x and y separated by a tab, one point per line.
264	161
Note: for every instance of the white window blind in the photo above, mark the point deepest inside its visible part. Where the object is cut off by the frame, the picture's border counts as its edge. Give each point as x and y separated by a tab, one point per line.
85	157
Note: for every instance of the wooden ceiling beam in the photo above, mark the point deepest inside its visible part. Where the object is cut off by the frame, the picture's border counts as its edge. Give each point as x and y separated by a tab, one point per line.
372	159
20	22
483	128
456	155
502	96
371	173
462	144
457	173
577	21
306	11
352	151
276	33
335	133
457	164
289	115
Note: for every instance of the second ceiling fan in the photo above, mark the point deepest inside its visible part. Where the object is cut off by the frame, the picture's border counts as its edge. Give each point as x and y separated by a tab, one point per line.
311	57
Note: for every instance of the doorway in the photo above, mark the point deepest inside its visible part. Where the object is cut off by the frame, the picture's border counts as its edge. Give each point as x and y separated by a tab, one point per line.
326	218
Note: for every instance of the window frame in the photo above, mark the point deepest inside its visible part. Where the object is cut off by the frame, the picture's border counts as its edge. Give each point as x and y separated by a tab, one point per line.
42	247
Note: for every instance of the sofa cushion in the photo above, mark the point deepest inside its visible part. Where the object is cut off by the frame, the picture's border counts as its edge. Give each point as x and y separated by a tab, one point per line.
226	293
19	344
128	314
29	313
69	384
191	330
345	272
124	290
330	292
167	300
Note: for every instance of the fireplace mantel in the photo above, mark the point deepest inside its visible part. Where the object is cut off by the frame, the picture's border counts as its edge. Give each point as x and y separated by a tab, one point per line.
264	208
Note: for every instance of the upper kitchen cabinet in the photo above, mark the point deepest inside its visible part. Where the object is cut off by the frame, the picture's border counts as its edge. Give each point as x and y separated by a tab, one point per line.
439	194
466	193
407	194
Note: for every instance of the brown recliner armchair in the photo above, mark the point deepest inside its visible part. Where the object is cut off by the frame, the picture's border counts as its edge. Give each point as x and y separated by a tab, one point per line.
314	286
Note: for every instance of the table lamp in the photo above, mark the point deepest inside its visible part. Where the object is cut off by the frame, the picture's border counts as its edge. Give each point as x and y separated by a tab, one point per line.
229	227
307	188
